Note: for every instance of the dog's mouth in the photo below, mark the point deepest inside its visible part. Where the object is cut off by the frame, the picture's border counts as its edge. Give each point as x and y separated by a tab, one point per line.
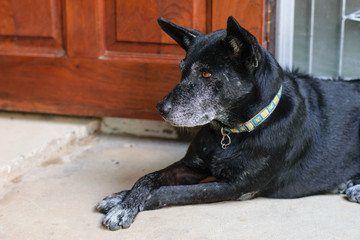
186	118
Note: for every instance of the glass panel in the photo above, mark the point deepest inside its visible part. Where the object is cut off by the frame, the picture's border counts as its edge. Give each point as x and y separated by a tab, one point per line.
351	62
301	35
326	38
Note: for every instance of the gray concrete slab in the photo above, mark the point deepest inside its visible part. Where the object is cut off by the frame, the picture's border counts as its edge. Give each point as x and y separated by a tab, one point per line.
55	201
27	139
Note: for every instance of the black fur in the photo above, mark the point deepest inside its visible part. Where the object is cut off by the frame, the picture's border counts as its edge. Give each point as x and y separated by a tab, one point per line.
309	145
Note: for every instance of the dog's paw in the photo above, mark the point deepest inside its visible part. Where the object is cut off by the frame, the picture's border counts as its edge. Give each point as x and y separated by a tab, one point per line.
111	201
120	217
353	193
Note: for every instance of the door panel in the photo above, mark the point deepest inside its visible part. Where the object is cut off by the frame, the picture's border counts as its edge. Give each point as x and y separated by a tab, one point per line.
36	32
132	14
101	57
132	27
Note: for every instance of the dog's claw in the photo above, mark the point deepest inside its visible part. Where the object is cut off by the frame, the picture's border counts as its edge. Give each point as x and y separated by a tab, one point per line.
111	201
120	213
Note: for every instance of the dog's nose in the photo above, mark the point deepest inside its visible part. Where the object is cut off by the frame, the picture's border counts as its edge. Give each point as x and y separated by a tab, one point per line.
164	108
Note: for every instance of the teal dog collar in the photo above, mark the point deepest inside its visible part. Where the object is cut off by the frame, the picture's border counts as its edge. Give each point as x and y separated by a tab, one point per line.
252	123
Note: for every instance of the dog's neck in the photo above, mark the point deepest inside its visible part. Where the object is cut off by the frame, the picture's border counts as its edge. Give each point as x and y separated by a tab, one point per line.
251	124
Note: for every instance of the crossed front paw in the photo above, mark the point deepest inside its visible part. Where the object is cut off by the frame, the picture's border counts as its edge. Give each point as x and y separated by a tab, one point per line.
353	193
120	217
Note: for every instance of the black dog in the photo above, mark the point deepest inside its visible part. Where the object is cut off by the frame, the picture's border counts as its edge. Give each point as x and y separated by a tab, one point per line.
266	132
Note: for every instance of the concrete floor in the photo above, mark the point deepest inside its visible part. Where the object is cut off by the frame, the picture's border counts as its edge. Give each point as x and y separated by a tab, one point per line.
54	198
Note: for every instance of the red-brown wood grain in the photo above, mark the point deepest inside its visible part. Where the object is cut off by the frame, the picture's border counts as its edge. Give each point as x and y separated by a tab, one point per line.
18	21
31	27
82	20
131	26
132	14
127	89
101	57
249	13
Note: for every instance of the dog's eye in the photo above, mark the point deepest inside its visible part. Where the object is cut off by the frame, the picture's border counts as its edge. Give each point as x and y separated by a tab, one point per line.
205	74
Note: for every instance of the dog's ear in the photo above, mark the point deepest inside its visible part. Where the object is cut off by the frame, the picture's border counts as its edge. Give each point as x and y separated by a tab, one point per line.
243	44
182	35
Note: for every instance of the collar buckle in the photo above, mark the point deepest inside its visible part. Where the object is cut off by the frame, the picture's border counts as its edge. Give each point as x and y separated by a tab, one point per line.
226	140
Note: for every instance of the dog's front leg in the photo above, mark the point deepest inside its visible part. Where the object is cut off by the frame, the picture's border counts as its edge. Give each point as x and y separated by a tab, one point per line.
123	213
195	194
121	208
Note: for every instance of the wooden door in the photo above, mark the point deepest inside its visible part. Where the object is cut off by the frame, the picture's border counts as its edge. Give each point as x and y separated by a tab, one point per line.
101	57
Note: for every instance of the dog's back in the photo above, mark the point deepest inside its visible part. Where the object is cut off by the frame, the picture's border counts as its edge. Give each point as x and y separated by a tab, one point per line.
327	138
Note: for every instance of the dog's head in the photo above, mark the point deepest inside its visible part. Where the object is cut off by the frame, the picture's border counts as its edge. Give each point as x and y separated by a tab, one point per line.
218	75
